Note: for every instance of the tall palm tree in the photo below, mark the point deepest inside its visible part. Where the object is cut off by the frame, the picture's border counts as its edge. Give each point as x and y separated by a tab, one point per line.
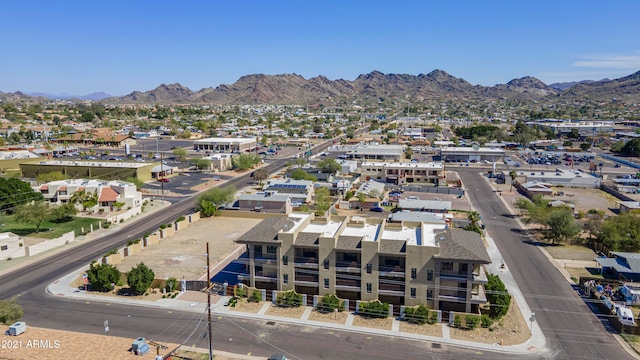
474	217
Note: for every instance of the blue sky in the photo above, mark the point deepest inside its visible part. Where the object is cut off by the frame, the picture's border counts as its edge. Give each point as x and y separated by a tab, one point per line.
78	47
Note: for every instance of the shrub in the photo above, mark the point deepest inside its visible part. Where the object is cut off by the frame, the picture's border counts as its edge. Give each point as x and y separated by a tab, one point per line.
172	284
418	314
181	218
329	303
485	321
140	278
106	225
111	252
10	311
374	309
457	321
163	226
433	318
498	297
132	242
256	296
472	321
289	298
241	292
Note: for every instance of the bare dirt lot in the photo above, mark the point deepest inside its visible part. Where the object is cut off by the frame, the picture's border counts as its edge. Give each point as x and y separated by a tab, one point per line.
182	255
583	199
571	252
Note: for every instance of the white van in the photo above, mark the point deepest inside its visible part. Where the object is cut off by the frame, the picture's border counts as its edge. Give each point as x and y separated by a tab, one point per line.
625	315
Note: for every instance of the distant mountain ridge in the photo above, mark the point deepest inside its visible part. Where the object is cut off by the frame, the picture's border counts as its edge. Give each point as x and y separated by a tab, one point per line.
93	96
295	89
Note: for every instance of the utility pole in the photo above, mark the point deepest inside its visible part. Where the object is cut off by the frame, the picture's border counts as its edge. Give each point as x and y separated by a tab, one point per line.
164	176
209	306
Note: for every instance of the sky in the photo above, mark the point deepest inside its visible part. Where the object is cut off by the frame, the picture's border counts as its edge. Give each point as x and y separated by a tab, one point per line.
80	47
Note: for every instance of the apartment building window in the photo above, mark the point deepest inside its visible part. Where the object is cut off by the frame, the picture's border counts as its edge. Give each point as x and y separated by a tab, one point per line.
414	273
429	275
369	268
271	249
326	264
4	247
369	288
446	266
429	294
413	293
285	278
285	260
326	283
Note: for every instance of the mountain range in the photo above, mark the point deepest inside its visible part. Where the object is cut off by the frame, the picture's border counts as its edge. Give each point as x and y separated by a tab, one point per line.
295	89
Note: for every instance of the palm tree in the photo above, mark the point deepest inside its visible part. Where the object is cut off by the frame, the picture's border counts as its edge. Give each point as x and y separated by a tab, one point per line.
474	217
513	175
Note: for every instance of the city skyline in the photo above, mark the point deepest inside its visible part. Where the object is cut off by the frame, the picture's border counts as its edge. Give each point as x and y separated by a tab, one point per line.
119	47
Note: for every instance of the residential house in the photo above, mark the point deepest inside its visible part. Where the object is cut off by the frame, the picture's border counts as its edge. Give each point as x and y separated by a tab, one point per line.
430	206
266	201
300	191
623	266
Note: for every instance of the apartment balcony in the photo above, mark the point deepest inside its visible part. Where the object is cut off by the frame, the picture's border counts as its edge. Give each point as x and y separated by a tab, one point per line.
306	262
306	280
391	289
266	276
453	296
348	266
392	271
347	285
479	296
480	278
453	275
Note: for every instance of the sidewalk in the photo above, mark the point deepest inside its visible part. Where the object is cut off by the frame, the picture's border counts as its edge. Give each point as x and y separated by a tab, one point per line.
535	344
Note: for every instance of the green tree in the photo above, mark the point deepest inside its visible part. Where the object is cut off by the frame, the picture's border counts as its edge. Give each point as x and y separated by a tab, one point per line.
63	213
140	278
203	164
180	154
585	146
137	182
513	175
329	166
560	225
34	213
621	233
299	174
10	311
362	198
631	148
498	296
102	277
211	200
244	162
15	192
322	201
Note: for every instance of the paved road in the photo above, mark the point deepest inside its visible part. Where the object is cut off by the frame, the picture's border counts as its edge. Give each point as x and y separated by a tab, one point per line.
571	329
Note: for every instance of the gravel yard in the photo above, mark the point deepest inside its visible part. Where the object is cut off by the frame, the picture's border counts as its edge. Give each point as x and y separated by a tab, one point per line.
293	312
244	306
571	252
181	255
375	323
429	330
335	318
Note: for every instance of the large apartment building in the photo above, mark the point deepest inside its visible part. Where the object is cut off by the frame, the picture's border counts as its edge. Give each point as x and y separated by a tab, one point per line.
358	258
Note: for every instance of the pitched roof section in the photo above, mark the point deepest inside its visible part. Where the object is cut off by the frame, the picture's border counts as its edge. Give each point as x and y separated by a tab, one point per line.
393	247
267	230
108	195
459	244
307	239
348	242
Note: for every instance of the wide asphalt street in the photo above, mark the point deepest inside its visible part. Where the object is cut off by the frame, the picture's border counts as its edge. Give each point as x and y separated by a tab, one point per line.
571	329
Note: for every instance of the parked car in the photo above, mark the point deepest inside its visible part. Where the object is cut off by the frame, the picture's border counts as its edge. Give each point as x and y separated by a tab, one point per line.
164	180
376	209
216	178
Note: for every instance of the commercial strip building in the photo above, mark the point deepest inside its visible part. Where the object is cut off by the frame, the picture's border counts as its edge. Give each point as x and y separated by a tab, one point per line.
407	263
558	177
400	173
584	128
376	152
106	170
471	154
219	144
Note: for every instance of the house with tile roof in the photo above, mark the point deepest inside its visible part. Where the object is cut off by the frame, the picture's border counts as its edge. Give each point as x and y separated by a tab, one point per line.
111	196
356	258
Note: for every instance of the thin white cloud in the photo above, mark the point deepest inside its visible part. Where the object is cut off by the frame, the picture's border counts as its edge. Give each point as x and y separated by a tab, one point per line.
608	61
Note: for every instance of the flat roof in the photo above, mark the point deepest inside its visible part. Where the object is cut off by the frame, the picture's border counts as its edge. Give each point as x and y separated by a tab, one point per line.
410	234
378	150
405	165
325	229
429	233
368	232
222	140
464	150
296	223
118	164
17	154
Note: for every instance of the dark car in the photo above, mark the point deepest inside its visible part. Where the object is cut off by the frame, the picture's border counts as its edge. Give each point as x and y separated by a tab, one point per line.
376	209
277	357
